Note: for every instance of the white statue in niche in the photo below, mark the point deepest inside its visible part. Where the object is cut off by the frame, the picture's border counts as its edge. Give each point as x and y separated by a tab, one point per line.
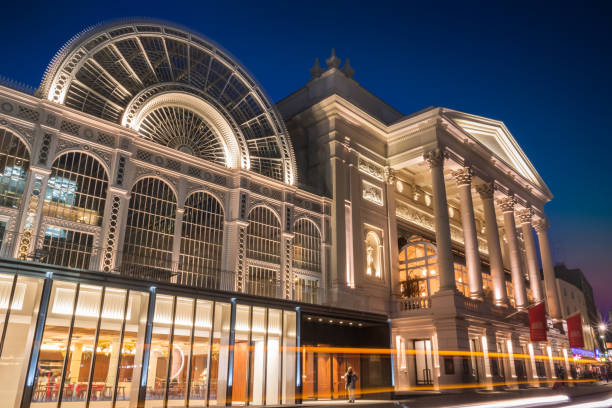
370	260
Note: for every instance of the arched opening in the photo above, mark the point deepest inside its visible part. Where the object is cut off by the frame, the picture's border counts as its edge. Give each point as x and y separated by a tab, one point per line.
77	189
418	269
306	248
15	163
149	230
76	192
201	241
263	246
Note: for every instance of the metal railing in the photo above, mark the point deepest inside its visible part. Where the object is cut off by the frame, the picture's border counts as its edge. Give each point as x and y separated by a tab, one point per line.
151	268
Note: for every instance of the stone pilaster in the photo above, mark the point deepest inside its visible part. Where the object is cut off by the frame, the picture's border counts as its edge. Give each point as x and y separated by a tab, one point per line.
286	266
516	265
495	255
392	246
435	160
463	178
525	218
31	213
552	299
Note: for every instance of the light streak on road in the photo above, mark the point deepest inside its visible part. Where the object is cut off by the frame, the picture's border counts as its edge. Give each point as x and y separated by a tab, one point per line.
521	402
596	404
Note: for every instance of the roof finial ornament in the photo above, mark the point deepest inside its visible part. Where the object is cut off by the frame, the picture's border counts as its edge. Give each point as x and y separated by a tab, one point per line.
347	69
316	69
333	61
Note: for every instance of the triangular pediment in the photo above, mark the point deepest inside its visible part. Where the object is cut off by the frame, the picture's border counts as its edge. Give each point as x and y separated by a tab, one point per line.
496	137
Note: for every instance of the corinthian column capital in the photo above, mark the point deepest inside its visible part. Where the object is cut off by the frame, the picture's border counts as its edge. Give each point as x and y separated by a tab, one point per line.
435	157
525	216
485	190
541	225
463	176
506	204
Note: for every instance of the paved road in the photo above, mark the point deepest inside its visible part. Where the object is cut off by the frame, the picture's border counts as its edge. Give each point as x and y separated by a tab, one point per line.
583	396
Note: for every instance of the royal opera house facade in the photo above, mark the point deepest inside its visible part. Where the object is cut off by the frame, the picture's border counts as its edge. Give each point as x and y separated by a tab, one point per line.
171	237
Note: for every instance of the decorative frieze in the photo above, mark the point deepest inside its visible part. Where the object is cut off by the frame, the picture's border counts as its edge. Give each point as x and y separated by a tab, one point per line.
372	193
370	169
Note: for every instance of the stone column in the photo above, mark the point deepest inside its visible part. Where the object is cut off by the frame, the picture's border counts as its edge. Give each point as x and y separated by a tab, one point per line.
392	245
554	308
533	267
463	178
435	160
495	256
338	259
518	281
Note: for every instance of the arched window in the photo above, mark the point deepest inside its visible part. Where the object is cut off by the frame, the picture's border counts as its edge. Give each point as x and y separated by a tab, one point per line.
14	164
149	229
263	244
418	268
263	236
201	240
306	246
373	252
77	189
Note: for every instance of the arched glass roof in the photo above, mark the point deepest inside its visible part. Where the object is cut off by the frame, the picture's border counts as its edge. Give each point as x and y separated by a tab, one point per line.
110	70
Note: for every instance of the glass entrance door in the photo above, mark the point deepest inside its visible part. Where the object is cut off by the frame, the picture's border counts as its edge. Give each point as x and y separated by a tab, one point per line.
423	362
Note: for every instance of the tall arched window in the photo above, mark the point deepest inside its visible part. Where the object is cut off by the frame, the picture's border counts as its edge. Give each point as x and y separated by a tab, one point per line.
14	164
263	236
77	189
306	246
201	240
263	244
149	229
418	268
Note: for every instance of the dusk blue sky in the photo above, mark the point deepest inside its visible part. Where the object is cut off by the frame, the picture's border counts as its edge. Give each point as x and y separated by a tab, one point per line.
544	69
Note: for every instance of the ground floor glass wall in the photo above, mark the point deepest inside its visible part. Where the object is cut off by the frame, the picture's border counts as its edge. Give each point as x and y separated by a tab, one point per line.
94	348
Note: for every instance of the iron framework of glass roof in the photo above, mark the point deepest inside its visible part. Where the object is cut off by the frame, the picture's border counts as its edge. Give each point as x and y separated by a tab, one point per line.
111	70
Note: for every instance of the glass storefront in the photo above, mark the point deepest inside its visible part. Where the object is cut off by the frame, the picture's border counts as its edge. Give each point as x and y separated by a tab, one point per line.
94	348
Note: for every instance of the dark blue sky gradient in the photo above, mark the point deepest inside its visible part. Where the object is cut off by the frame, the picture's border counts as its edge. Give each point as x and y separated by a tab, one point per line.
543	68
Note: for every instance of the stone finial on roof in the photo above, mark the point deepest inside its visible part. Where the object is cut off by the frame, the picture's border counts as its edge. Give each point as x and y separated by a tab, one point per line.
347	69
333	61
316	69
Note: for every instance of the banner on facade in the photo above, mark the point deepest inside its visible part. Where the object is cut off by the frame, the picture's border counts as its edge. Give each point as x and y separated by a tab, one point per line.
574	331
537	322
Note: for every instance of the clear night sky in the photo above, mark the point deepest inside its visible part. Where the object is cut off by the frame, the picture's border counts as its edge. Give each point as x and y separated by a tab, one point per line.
542	68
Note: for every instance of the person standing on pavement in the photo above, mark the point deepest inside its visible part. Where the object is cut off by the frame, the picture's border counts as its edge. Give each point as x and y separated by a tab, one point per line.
350	379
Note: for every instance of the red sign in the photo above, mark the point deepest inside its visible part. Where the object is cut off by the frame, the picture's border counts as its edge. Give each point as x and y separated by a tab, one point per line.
537	322
574	331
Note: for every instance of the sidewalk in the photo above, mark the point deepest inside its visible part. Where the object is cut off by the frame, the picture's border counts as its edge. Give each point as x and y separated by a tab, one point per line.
465	398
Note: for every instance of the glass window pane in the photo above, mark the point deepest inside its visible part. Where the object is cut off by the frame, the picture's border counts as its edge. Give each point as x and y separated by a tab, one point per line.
181	346
201	354
258	338
289	356
220	354
108	349
241	355
82	347
160	345
273	366
54	344
19	334
132	349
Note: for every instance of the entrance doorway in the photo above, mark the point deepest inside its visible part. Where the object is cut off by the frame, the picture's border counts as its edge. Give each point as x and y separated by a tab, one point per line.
423	362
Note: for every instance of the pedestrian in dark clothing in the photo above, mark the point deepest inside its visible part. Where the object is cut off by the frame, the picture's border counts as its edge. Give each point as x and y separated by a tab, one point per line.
350	379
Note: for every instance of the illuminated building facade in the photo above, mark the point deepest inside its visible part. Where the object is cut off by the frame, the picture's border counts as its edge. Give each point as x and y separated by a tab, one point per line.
170	236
